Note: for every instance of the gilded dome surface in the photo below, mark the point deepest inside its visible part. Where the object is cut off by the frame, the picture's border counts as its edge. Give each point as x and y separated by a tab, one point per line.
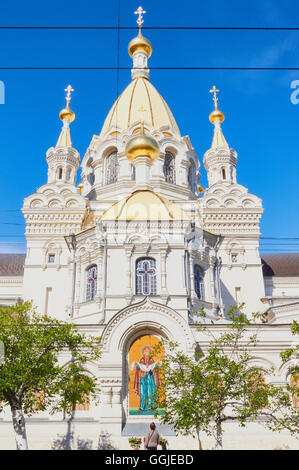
140	43
67	113
216	114
140	101
144	205
142	145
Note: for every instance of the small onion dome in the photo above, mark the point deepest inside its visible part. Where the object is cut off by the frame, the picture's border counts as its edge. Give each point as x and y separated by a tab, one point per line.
67	113
200	188
140	43
216	114
142	145
80	186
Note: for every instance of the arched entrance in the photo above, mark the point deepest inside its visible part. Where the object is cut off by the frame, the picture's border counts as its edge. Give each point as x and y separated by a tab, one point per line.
125	336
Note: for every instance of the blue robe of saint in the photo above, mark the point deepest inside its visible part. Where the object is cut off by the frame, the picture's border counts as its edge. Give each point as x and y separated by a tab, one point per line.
148	391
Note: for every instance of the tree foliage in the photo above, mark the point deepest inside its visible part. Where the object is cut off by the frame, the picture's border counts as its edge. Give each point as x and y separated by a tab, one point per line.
291	356
44	362
223	383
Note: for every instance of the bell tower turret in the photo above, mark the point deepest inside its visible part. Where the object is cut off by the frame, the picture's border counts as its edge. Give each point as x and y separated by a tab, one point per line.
63	160
220	160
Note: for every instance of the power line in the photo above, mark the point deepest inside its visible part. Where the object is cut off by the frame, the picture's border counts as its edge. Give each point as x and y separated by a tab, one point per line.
153	68
279	238
10	223
12	236
183	28
279	251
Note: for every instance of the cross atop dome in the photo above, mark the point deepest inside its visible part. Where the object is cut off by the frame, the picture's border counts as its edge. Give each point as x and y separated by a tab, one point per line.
67	116
140	12
140	49
217	117
215	99
68	97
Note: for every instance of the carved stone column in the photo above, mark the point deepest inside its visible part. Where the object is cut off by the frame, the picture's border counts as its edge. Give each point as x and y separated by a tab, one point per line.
110	407
99	292
124	168
185	165
163	257
129	272
77	286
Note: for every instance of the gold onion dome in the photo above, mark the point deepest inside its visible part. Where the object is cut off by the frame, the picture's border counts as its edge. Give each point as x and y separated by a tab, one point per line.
140	43
67	113
216	114
142	145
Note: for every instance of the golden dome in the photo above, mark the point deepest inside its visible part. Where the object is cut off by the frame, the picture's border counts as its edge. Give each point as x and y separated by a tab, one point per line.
144	205
140	101
142	145
216	114
67	113
140	43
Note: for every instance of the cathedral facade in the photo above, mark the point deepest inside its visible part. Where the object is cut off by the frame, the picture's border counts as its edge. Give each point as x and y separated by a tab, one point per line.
134	251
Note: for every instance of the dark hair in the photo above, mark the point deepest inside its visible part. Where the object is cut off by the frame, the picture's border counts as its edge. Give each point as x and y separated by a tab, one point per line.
152	426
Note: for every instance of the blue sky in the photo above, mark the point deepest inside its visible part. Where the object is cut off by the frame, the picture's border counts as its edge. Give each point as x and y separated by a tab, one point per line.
261	122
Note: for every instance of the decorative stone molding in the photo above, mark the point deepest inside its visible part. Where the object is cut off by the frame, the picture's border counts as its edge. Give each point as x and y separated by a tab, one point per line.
229	195
284	313
110	381
146	305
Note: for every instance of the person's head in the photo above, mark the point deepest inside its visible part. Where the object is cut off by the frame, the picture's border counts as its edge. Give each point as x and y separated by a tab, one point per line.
152	426
146	351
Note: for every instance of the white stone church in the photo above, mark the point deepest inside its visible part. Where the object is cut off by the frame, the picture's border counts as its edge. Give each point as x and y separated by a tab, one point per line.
135	250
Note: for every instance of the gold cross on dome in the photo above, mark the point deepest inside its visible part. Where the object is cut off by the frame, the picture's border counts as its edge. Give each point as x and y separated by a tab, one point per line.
215	99
68	90
140	12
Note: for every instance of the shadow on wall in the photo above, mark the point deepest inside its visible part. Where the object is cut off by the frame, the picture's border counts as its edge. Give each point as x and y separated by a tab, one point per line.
227	298
66	442
104	442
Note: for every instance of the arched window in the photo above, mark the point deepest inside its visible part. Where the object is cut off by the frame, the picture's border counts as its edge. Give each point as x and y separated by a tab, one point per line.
59	173
146	277
112	168
192	176
258	391
223	174
169	168
84	406
91	284
198	282
294	383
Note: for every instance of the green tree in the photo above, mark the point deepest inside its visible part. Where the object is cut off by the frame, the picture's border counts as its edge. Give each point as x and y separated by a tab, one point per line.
205	391
292	355
32	376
